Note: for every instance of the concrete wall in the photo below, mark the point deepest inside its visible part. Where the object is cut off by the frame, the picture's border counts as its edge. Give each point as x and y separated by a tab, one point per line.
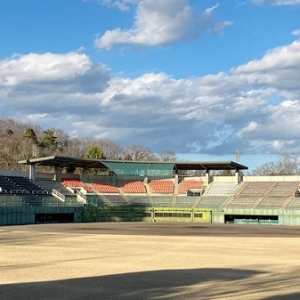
295	178
251	211
218	217
271	178
230	179
285	217
289	217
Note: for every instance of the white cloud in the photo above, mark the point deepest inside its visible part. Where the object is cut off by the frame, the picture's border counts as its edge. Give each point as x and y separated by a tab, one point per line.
161	23
279	68
249	128
123	5
46	67
296	32
256	105
277	2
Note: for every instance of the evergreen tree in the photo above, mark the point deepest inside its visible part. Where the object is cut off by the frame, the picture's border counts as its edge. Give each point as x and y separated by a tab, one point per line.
95	152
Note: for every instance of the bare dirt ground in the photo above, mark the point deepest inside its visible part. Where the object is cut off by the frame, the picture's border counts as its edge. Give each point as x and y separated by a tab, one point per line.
149	261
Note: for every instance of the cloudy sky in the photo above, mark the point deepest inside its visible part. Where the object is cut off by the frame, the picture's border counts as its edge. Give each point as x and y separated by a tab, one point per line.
198	77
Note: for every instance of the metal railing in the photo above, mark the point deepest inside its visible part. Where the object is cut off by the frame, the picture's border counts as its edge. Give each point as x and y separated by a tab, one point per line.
59	195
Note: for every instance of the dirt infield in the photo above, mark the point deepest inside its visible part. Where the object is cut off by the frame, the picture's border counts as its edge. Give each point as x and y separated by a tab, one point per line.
149	261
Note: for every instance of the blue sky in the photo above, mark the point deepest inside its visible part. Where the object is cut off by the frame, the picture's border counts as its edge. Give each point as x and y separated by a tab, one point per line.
201	78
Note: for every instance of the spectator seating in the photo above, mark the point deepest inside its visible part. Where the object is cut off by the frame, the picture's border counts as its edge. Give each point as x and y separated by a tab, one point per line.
250	194
294	203
212	201
186	201
271	202
161	186
26	184
104	188
257	188
94	200
139	200
189	184
6	186
49	185
132	186
221	188
20	185
278	195
71	182
283	189
114	200
162	201
100	185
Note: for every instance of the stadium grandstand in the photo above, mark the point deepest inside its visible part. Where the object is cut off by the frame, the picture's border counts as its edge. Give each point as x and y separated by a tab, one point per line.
145	191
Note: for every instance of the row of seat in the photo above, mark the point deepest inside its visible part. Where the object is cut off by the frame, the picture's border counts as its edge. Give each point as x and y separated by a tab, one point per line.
161	186
264	195
135	186
251	194
20	185
186	185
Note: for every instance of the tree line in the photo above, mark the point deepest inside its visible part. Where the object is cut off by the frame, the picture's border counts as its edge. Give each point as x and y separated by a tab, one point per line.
21	141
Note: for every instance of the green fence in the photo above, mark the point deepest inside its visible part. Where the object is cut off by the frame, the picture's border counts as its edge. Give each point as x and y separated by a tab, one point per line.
21	215
144	214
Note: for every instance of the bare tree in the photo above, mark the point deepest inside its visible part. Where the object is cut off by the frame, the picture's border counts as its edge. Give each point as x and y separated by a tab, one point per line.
110	149
287	164
138	152
166	155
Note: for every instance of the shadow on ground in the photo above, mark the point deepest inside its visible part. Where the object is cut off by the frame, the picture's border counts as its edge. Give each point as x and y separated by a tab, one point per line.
292	296
166	284
162	229
193	284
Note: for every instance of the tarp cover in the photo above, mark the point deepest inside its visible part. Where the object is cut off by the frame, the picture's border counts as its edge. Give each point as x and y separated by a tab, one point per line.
141	169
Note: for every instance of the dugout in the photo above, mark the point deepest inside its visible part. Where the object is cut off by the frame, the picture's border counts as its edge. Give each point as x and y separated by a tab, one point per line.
46	218
252	219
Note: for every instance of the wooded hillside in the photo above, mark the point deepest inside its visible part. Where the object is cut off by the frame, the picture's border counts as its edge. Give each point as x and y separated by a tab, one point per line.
20	141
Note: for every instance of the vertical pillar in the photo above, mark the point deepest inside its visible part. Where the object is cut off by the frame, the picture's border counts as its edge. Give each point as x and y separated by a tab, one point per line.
32	172
207	177
237	177
176	184
176	179
57	173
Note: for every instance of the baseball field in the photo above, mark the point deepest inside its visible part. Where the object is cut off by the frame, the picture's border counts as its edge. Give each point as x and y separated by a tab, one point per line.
149	261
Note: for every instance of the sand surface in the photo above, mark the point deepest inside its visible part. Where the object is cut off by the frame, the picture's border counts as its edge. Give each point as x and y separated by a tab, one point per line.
149	261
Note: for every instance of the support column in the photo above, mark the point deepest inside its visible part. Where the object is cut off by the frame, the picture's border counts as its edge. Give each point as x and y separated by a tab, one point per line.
57	173
207	177
32	173
176	184
176	179
237	175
